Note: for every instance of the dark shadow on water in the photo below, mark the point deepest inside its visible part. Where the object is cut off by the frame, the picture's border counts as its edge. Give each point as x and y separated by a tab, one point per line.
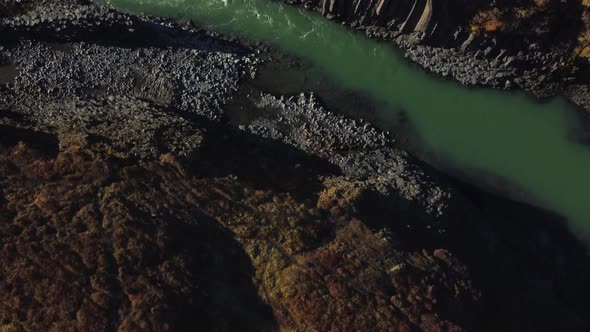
528	262
531	267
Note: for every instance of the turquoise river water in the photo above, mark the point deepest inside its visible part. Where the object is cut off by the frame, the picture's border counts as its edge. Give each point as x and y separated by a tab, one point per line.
511	136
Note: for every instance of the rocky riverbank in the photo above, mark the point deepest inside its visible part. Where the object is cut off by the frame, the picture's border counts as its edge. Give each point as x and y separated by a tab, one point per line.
133	198
531	45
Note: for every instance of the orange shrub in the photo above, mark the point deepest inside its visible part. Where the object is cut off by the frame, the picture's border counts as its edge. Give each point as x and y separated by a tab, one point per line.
489	20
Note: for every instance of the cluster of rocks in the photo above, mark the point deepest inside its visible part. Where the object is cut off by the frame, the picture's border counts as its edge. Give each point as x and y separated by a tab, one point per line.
360	150
141	99
531	71
63	19
128	125
191	78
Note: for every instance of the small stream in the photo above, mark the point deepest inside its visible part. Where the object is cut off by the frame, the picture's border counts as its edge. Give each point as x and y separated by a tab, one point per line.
529	145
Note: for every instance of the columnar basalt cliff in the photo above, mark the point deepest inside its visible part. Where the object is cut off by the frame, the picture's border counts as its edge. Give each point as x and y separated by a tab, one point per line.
432	18
535	45
453	22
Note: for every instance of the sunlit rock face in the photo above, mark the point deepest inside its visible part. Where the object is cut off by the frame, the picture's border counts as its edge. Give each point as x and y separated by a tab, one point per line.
429	17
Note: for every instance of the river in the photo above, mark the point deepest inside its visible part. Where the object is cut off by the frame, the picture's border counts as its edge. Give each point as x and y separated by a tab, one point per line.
528	144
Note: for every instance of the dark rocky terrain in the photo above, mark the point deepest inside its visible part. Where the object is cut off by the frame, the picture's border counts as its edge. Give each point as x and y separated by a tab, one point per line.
131	200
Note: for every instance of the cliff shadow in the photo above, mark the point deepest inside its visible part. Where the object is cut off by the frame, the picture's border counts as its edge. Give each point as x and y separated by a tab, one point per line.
227	300
261	162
